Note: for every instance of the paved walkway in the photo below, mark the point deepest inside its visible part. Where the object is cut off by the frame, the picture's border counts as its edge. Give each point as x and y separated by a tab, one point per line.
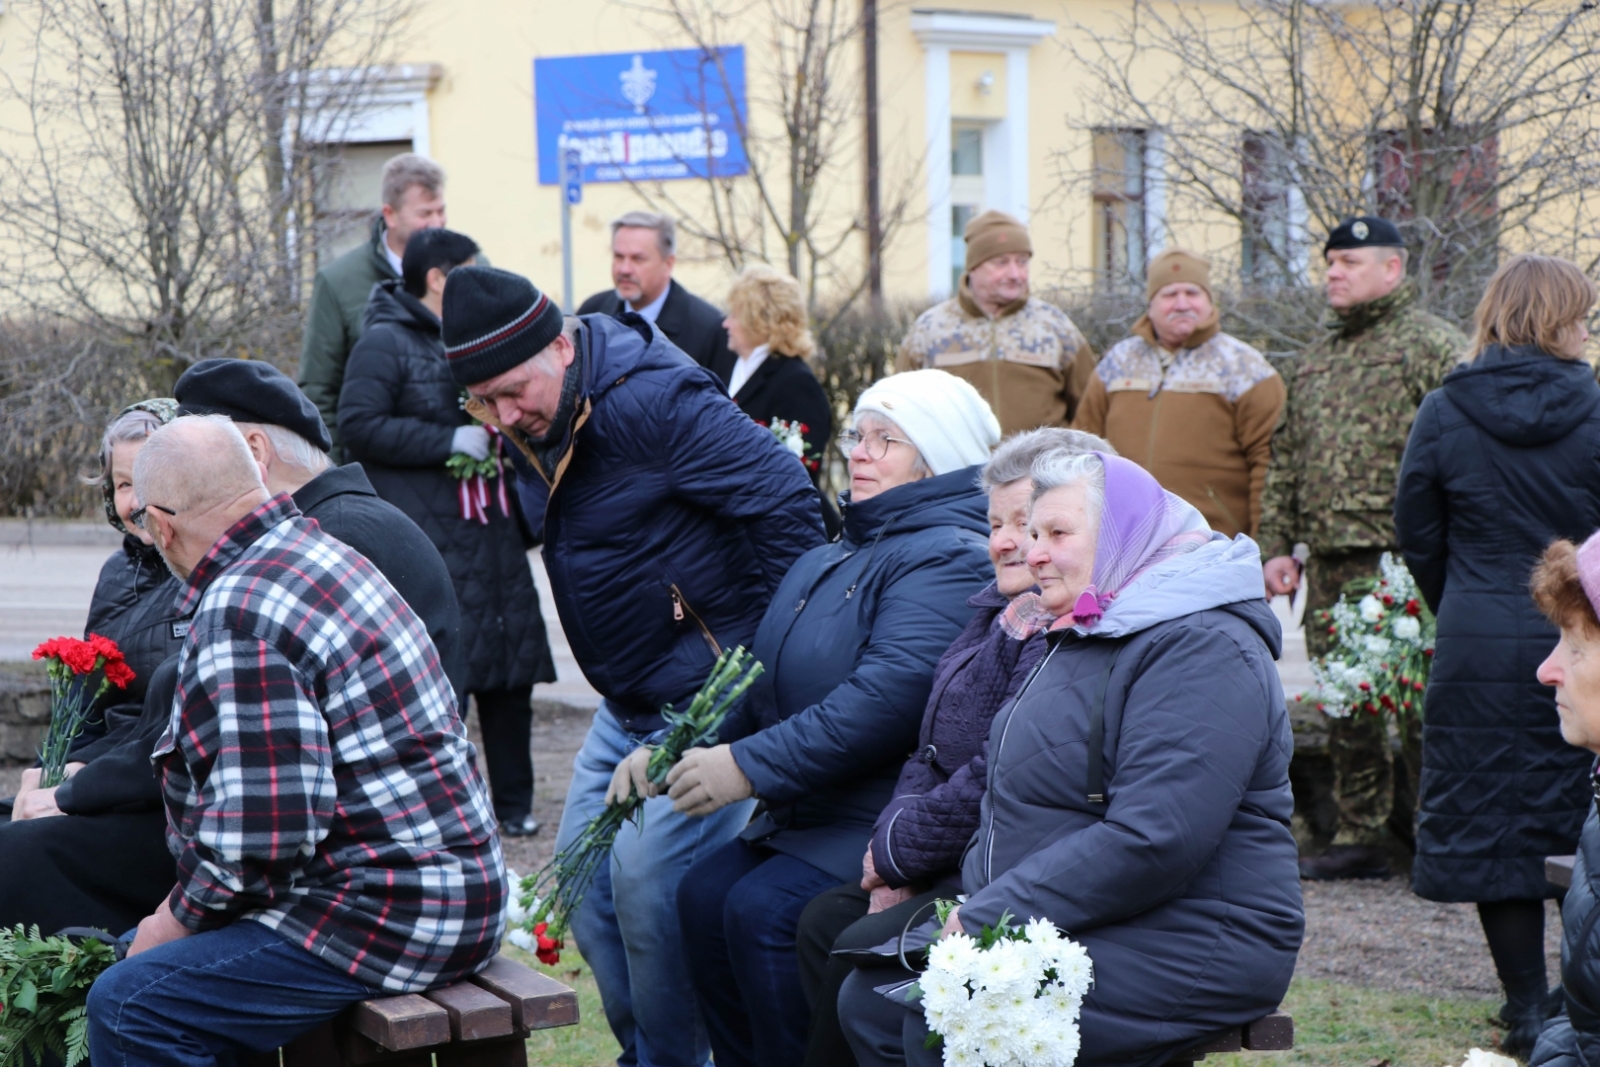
48	571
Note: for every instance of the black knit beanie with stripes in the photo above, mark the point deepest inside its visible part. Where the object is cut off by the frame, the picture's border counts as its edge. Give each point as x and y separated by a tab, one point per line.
493	321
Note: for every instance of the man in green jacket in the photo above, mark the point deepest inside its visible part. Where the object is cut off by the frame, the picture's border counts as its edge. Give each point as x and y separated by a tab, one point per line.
1331	483
413	199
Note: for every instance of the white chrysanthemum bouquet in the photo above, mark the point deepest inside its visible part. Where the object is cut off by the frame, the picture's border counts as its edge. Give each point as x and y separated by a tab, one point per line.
1384	636
1009	997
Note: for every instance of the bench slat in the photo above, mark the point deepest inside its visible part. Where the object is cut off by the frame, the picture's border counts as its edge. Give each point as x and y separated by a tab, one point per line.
475	1013
404	1022
1271	1033
1558	870
537	1001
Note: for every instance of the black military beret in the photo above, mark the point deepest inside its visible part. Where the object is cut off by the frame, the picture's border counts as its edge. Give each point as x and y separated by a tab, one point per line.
1364	231
248	391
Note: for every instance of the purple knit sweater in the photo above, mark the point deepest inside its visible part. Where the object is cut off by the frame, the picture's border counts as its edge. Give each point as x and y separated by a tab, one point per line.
924	830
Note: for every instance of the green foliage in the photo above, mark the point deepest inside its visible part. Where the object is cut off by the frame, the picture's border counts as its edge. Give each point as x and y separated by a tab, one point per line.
464	466
44	986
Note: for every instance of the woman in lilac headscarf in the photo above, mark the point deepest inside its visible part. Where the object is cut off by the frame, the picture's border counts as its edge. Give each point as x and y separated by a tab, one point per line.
1138	791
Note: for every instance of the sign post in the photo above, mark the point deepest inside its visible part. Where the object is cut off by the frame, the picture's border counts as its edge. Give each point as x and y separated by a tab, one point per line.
571	193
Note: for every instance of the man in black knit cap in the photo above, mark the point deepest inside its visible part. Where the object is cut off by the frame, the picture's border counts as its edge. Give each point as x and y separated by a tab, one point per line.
669	518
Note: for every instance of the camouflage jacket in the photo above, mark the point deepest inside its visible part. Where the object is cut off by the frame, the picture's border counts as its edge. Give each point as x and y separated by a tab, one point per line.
1352	396
1029	362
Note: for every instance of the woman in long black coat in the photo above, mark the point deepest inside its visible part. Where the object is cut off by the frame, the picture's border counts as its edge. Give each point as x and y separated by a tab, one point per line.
400	415
1502	460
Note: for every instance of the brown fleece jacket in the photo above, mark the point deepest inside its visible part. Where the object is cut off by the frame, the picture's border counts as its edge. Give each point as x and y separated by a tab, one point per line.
1202	424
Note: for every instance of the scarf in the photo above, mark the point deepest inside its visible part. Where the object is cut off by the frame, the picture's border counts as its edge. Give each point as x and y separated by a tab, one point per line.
547	449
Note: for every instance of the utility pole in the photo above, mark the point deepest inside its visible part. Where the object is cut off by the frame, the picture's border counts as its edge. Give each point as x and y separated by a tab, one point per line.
571	194
869	40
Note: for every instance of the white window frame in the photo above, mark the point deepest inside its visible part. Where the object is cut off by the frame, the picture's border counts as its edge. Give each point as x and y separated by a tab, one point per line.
1006	143
392	106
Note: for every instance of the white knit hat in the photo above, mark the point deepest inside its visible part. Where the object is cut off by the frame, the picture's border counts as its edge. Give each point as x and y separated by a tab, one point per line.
945	417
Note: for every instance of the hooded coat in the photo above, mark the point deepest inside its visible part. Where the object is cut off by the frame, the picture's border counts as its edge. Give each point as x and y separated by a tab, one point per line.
668	523
398	413
1501	461
1572	1039
850	644
1183	884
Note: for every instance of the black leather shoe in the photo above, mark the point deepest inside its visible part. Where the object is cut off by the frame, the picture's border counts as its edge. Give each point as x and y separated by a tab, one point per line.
1346	861
526	826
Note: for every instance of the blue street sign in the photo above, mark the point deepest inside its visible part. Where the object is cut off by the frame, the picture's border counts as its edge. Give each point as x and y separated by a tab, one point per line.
572	175
641	116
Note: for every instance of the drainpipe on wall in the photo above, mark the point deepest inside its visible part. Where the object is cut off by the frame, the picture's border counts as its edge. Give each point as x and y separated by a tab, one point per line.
869	39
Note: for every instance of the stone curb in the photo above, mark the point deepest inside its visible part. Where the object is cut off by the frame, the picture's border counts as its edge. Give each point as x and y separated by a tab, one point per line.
21	533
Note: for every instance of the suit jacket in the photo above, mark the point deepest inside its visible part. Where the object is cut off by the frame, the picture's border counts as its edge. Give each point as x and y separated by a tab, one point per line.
689	322
783	387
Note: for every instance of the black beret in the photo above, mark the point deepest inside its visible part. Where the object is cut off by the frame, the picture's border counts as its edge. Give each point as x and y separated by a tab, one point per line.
1364	231
249	391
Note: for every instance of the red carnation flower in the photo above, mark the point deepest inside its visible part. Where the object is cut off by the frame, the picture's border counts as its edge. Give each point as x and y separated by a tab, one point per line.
1413	607
119	674
1365	687
1388	601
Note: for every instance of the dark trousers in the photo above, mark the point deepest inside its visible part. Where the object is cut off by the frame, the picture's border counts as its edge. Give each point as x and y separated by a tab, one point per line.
884	1031
838	919
506	718
107	871
740	908
205	998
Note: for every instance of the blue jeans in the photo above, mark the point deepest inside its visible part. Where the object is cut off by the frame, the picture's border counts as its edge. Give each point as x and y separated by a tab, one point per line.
740	908
203	999
627	926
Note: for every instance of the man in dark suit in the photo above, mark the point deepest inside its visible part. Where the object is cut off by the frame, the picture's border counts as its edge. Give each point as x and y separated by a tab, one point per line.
643	244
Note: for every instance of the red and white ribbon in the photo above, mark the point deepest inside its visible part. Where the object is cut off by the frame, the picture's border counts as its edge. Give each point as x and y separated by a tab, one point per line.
473	493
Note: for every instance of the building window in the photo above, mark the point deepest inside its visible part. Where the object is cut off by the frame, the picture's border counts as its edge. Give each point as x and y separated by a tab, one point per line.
1266	176
1120	162
348	189
1456	177
968	194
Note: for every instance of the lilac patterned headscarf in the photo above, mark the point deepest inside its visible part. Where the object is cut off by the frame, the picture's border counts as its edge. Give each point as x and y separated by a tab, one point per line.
1140	525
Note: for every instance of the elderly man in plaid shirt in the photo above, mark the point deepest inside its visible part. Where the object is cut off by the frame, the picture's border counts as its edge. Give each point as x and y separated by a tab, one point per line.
333	838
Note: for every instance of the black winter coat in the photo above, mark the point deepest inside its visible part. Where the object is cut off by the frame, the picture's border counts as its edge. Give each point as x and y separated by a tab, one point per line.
923	832
398	412
1502	459
850	644
134	605
689	322
783	387
1572	1039
670	523
1182	885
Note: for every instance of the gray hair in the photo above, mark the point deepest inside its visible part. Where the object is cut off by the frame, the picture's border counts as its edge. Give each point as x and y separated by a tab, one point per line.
1061	468
919	466
550	368
1013	459
291	447
133	425
194	461
665	229
406	170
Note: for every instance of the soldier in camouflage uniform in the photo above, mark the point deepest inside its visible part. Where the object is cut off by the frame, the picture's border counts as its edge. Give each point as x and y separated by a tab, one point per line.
1331	484
1024	356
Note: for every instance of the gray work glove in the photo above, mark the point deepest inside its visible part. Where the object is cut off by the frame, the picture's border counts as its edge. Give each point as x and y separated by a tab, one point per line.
473	440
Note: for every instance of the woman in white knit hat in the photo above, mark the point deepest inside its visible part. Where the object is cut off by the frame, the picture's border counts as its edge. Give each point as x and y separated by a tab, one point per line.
850	643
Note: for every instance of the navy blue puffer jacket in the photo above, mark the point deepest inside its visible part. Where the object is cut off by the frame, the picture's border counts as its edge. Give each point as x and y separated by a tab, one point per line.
850	645
1503	459
670	523
921	835
1572	1039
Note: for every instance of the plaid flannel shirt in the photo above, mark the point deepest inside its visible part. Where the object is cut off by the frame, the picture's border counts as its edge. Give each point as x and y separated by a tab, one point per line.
318	779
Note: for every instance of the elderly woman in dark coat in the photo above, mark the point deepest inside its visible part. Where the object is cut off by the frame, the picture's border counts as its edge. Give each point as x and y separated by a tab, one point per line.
915	856
1165	850
1566	587
400	415
850	643
91	851
1501	461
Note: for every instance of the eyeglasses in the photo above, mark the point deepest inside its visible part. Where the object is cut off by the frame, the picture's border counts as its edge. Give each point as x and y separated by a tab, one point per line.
876	441
137	518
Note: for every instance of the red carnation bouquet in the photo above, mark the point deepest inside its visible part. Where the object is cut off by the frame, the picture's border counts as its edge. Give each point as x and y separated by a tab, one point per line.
70	664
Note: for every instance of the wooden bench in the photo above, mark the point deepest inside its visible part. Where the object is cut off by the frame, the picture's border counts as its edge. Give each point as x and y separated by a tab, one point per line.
481	1022
1558	870
1270	1033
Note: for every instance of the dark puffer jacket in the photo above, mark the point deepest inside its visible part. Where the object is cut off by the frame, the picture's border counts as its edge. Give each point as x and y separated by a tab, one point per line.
670	523
398	411
1502	459
1182	885
921	835
850	644
1572	1039
133	604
